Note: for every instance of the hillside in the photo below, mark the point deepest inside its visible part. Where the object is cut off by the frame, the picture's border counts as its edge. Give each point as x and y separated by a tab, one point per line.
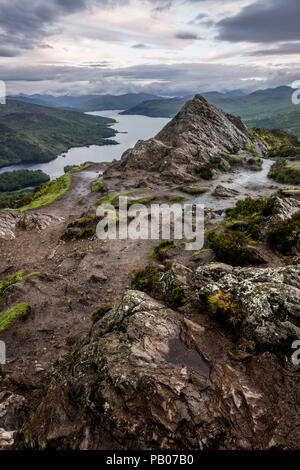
130	343
32	133
271	108
87	102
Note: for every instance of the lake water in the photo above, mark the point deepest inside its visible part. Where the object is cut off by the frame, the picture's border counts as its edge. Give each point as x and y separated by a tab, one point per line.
130	128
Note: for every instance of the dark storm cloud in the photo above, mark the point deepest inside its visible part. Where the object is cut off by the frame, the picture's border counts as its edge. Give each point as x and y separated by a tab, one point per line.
263	21
283	49
31	21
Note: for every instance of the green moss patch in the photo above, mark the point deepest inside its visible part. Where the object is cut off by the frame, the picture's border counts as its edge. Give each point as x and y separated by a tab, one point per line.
190	190
80	222
227	307
99	187
19	311
101	311
176	198
10	280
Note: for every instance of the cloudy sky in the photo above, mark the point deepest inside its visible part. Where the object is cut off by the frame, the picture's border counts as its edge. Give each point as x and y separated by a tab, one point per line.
169	47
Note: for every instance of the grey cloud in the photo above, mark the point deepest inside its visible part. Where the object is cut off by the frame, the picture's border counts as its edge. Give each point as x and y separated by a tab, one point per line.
187	36
198	19
6	52
283	49
263	21
175	79
139	46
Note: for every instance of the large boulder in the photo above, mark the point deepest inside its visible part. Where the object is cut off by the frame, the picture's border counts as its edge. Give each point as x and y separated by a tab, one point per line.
151	377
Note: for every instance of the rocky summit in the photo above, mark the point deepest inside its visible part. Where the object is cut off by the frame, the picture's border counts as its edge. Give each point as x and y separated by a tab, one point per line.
198	136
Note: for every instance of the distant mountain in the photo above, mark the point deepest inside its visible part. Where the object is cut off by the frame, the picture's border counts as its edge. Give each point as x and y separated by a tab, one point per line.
87	102
32	133
271	108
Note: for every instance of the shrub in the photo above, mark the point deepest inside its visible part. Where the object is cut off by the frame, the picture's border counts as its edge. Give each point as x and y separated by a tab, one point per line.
206	172
146	279
250	207
86	232
284	235
285	172
178	297
230	247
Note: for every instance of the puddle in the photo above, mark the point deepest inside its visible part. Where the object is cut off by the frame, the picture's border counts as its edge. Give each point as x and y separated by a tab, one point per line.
180	355
246	182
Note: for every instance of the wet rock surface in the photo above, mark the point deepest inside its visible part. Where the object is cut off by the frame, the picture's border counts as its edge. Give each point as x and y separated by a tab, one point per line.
149	376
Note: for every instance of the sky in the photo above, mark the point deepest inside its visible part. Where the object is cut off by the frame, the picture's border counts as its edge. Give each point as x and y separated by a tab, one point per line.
165	47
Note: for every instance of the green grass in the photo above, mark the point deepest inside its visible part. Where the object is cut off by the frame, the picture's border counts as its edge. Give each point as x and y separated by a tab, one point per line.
19	311
203	250
49	192
160	251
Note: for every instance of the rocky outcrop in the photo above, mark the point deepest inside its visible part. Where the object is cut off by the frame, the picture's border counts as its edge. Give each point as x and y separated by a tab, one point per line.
12	412
222	192
152	377
268	300
197	134
10	220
